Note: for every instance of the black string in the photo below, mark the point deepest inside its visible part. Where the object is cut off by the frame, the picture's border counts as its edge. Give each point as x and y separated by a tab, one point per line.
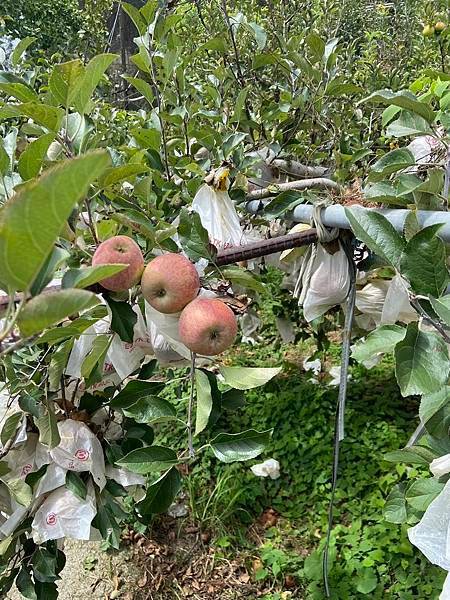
340	408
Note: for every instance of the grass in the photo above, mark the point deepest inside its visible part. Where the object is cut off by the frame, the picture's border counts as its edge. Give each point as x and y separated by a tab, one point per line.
371	557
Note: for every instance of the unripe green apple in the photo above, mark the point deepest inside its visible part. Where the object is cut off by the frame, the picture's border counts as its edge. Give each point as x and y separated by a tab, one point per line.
207	326
120	249
169	282
428	30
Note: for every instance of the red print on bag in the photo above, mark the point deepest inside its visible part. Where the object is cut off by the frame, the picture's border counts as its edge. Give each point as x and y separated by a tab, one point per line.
51	519
82	454
27	469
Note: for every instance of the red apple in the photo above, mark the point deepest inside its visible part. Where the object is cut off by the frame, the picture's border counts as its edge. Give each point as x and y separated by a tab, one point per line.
169	282
207	326
120	249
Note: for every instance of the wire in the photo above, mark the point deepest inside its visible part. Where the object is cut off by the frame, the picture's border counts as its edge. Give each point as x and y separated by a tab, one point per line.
340	409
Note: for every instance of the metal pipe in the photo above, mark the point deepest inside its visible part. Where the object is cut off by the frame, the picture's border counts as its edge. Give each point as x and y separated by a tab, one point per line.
334	216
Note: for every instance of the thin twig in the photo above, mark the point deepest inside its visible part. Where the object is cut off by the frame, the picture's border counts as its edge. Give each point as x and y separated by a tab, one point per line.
190	406
17	345
426	317
10	326
159	103
302	184
240	75
91	221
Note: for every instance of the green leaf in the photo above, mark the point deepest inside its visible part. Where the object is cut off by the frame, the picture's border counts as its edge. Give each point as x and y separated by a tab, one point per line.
204	401
232	447
10	427
5	163
380	341
413	455
116	174
316	45
244	278
20	491
46	591
58	363
398	191
423	491
76	485
239	105
403	99
87	276
75	328
396	160
136	16
20	49
49	117
5	544
408	124
423	262
48	429
147	138
25	585
283	203
150	409
32	220
366	581
144	88
45	565
86	84
96	355
442	308
341	88
63	79
411	225
193	236
20	91
31	159
134	391
246	378
233	399
422	362
53	261
161	494
433	403
377	233
52	308
231	141
123	319
4	468
148	460
394	510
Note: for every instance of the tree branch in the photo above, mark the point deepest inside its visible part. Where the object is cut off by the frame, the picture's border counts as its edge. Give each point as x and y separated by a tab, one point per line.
303	184
190	406
293	167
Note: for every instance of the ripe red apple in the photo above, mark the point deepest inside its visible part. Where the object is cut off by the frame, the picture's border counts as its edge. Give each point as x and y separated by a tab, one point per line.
120	249
169	282
207	326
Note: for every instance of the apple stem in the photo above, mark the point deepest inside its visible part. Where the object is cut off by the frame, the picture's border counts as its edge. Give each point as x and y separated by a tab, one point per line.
190	406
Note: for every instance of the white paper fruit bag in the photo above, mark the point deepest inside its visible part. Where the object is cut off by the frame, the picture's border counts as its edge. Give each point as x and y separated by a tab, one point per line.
79	450
329	283
63	514
217	211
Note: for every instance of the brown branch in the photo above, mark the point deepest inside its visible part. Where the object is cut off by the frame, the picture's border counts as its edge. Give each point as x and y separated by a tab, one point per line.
303	184
265	247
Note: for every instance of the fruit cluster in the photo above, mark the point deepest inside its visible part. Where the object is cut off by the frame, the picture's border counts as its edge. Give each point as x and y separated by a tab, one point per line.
170	284
436	29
